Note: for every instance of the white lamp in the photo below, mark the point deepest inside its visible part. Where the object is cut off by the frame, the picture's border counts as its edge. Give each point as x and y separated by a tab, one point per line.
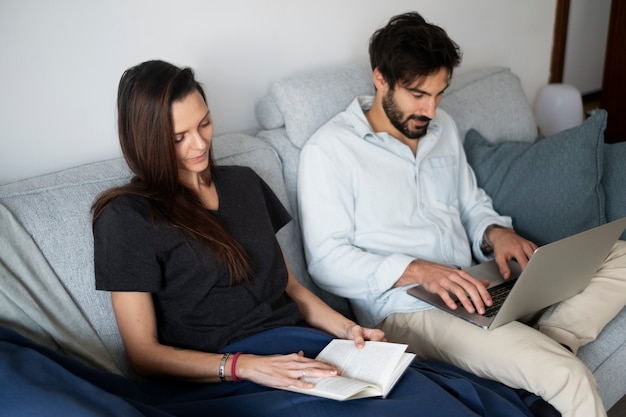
558	107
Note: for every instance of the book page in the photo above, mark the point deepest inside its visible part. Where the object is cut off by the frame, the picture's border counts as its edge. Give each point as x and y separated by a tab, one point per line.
404	363
367	372
338	388
375	363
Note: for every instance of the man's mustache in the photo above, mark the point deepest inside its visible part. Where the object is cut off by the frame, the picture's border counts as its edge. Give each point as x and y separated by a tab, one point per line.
419	118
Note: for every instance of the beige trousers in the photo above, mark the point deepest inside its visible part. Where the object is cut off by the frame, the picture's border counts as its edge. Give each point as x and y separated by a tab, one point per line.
521	356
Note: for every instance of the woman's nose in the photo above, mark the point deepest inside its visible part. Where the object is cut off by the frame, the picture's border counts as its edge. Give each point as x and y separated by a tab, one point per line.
198	140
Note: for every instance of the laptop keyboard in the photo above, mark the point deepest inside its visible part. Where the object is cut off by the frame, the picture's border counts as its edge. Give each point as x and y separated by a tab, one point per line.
498	295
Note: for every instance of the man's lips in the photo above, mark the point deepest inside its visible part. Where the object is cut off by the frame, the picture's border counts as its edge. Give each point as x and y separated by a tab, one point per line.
420	121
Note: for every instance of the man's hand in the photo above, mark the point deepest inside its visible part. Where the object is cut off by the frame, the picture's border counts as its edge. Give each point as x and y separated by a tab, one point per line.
509	245
444	280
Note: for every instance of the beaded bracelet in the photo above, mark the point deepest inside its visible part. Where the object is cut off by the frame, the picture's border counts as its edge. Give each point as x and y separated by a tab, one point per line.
233	374
222	363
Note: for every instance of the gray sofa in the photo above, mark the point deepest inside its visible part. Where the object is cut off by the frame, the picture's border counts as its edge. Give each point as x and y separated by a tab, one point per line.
46	267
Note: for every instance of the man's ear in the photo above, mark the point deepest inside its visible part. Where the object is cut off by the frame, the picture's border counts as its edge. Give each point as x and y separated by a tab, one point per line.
379	81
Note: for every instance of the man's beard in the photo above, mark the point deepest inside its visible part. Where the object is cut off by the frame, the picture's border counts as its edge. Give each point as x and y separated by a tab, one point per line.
394	114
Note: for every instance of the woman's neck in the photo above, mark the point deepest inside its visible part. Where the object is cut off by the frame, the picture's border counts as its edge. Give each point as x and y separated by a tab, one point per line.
207	193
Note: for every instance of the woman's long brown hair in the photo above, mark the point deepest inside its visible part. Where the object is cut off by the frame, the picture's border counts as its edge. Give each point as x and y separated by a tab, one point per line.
145	96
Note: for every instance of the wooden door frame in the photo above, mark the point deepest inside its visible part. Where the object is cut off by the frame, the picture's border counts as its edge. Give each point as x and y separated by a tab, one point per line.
560	40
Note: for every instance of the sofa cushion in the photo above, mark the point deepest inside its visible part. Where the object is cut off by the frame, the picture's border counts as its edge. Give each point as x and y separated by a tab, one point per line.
606	358
614	181
306	102
33	300
268	114
55	210
492	101
552	187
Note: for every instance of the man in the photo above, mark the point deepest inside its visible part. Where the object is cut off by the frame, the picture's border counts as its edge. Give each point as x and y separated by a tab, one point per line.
388	200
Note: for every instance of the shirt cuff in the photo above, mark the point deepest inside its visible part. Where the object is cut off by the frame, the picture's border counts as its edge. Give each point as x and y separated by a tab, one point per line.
389	272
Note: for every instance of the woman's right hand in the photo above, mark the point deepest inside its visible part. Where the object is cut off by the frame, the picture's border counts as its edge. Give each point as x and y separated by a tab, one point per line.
282	370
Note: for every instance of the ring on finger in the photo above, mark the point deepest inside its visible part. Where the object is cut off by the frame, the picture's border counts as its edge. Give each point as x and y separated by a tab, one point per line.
303	372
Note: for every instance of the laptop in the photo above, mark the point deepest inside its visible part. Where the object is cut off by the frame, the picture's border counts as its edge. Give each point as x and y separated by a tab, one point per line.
555	272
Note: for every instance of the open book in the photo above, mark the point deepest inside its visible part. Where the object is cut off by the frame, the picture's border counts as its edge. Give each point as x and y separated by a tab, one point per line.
371	371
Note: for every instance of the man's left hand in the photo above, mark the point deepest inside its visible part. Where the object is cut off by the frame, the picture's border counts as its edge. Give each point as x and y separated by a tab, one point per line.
509	245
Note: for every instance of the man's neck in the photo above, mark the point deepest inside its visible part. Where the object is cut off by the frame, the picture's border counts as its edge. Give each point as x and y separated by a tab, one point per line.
379	122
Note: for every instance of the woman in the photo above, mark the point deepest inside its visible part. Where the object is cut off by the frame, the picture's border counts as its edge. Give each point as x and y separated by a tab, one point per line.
189	253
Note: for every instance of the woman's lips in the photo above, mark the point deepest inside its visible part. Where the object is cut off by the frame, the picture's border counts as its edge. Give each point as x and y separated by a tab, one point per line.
199	158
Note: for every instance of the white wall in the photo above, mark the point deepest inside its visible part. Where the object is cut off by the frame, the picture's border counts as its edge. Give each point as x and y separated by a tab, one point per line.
585	49
61	60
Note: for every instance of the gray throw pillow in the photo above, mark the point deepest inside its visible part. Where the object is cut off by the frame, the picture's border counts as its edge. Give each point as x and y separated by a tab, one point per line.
305	102
552	187
614	181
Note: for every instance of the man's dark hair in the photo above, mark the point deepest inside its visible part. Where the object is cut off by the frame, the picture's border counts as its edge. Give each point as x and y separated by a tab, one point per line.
408	48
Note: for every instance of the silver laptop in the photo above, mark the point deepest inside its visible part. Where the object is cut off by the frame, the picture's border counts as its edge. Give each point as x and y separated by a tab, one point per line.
556	271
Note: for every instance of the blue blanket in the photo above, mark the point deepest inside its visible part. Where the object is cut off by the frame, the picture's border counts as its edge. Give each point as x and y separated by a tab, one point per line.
35	380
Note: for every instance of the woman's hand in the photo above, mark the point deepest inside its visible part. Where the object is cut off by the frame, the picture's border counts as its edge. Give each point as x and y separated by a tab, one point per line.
361	334
283	370
291	370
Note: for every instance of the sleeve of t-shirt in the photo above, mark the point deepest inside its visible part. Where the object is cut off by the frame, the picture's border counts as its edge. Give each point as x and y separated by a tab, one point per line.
279	216
125	247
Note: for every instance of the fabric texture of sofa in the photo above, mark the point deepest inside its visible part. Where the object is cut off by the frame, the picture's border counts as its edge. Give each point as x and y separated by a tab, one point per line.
551	186
46	260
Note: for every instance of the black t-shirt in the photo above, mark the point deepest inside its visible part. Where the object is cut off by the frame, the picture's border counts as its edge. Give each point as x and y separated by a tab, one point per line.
196	305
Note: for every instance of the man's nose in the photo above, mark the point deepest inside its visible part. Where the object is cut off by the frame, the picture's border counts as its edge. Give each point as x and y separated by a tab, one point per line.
429	108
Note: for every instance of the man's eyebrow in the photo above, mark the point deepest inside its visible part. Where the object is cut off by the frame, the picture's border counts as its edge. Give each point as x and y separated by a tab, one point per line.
420	91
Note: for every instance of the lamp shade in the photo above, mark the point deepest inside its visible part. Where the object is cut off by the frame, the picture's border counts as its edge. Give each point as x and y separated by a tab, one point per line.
558	107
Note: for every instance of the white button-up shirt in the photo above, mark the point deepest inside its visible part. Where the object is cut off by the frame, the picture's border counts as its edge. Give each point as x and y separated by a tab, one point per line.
368	207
